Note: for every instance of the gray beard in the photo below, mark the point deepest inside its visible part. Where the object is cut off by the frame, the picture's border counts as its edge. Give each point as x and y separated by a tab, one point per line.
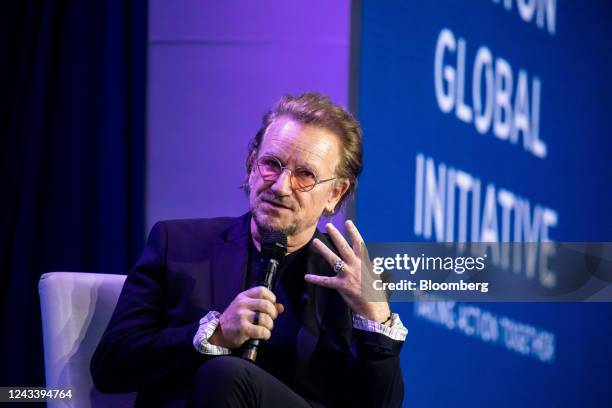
288	230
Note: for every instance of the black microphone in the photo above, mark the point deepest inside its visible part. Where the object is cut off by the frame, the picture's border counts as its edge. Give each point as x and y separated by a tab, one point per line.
273	248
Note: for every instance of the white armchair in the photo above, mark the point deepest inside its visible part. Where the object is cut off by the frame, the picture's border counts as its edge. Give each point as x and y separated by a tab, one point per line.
76	308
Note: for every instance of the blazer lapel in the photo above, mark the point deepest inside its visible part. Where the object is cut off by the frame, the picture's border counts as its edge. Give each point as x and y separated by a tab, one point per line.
229	262
321	299
314	317
315	297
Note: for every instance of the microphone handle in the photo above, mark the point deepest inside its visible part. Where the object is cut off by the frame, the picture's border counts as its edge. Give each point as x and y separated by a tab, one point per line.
251	346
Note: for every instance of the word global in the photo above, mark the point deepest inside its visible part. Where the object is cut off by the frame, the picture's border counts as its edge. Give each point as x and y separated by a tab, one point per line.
506	108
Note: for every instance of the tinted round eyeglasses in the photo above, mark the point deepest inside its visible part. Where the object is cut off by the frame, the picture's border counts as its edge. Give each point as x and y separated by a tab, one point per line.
301	178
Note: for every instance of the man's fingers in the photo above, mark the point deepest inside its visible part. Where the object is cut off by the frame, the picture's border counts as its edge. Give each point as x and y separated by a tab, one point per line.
325	252
356	239
258	332
280	308
261	305
325	281
264	320
346	252
260	292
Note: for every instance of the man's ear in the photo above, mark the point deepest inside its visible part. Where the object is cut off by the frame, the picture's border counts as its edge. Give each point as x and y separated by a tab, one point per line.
250	163
250	166
339	189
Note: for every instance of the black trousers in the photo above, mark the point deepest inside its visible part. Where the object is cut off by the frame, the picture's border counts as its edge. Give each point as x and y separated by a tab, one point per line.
227	381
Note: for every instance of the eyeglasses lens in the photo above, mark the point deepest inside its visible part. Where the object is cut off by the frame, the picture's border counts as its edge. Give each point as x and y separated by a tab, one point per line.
302	179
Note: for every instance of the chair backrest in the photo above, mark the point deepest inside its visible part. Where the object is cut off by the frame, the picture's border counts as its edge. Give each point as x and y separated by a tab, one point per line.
76	308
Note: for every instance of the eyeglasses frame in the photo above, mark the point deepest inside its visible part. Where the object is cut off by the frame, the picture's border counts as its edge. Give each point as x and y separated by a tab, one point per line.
283	168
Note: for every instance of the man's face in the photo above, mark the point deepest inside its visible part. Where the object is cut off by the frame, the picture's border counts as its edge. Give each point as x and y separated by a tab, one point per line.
274	204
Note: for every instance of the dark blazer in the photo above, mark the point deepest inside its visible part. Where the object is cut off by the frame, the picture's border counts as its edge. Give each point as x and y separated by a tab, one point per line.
190	267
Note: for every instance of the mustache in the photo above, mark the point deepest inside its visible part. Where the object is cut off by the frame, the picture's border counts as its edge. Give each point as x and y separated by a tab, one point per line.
271	198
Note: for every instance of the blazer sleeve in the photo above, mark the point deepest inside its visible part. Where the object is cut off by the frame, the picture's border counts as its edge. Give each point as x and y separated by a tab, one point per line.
376	376
138	348
377	371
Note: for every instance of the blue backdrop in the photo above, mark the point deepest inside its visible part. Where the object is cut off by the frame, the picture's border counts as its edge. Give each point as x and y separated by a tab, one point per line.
490	120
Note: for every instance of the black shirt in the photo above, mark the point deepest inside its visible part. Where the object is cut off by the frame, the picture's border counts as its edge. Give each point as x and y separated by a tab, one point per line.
277	355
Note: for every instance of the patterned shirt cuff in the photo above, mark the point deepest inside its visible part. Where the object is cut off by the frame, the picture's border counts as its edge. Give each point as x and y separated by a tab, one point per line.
396	331
208	324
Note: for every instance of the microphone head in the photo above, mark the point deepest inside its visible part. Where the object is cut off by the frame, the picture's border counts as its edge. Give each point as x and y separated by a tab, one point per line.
274	245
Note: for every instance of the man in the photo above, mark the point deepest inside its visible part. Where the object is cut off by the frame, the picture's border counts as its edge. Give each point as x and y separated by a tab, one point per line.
190	304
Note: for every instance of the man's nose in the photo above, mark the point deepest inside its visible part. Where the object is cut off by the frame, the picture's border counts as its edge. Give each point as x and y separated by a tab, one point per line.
282	185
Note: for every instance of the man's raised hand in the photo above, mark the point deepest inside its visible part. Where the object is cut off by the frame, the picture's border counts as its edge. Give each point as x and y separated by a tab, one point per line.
351	281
